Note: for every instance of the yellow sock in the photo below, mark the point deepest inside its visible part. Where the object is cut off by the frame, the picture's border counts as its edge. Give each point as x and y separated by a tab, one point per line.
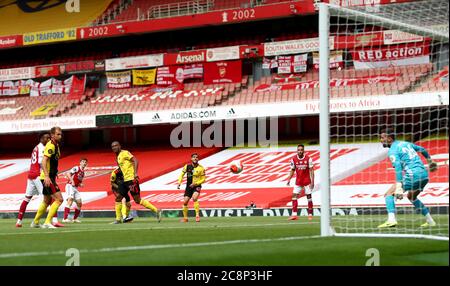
41	210
185	211
124	210
52	211
128	209
118	211
197	208
148	205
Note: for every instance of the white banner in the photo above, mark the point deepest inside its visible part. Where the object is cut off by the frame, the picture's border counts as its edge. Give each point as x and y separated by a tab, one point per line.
294	47
118	79
9	88
17	73
41	88
391	37
307	107
336	60
60	86
34	125
222	54
10	110
269	63
383	64
193	71
134	62
299	64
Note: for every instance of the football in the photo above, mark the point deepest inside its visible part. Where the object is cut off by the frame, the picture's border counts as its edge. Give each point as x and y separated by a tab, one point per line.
236	167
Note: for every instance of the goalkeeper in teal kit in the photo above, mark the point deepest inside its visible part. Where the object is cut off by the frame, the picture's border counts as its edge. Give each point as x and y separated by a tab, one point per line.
410	174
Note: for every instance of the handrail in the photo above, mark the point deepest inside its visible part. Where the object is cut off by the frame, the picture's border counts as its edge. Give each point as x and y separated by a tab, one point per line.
179	9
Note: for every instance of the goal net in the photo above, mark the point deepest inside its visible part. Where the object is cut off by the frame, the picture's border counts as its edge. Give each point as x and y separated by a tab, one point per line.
386	67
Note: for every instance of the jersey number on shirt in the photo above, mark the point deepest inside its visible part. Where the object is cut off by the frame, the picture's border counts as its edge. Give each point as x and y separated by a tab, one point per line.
33	158
410	151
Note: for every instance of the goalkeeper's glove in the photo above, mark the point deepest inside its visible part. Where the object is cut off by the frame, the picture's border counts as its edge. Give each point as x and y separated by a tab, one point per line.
398	191
432	165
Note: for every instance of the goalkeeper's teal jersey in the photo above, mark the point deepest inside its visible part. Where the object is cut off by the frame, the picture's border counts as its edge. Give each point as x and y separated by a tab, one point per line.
404	157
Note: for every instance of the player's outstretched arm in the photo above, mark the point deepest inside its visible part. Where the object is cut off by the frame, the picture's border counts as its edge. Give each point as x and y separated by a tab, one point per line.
431	164
180	178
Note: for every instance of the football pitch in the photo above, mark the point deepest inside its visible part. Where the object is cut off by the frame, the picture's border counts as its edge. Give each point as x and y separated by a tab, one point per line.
220	241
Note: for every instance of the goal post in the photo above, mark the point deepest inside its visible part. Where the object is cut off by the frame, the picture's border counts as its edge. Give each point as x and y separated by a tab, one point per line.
382	66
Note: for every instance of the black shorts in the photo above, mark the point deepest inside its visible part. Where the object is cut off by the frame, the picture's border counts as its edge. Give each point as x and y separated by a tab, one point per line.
116	193
190	191
129	186
50	190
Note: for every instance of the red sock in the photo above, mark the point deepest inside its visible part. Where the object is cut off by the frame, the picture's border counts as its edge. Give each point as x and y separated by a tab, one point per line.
77	213
66	212
23	208
310	207
294	207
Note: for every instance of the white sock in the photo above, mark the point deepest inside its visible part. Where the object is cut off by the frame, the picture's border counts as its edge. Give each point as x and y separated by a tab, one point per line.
19	221
429	218
391	217
54	220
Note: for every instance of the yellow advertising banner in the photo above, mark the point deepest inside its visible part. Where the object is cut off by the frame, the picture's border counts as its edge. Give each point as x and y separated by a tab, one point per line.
144	77
44	109
49	36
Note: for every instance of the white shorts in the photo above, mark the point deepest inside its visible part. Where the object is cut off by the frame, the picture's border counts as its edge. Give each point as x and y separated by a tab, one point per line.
34	187
298	189
72	192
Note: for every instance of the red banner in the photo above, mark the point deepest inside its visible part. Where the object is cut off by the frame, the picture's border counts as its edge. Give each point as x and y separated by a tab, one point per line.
77	89
397	55
81	67
47	71
359	40
188	57
10	41
169	75
336	82
223	72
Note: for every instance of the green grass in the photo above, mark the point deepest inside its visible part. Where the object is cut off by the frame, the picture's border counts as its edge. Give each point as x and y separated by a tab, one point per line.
219	241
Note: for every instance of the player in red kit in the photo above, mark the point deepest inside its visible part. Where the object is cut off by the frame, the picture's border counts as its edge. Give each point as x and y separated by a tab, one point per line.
34	185
75	177
303	167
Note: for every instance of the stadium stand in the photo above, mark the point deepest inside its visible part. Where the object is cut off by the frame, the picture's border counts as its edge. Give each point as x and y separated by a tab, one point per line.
29	104
139	10
87	108
409	78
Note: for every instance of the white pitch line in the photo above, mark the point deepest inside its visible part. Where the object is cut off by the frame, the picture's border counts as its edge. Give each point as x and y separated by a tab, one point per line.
157	228
157	246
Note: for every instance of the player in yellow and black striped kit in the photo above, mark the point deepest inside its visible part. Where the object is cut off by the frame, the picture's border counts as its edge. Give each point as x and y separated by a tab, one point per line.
195	178
116	181
128	164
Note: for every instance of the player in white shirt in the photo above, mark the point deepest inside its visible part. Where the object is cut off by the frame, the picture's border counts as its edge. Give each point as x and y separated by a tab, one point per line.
34	185
75	177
